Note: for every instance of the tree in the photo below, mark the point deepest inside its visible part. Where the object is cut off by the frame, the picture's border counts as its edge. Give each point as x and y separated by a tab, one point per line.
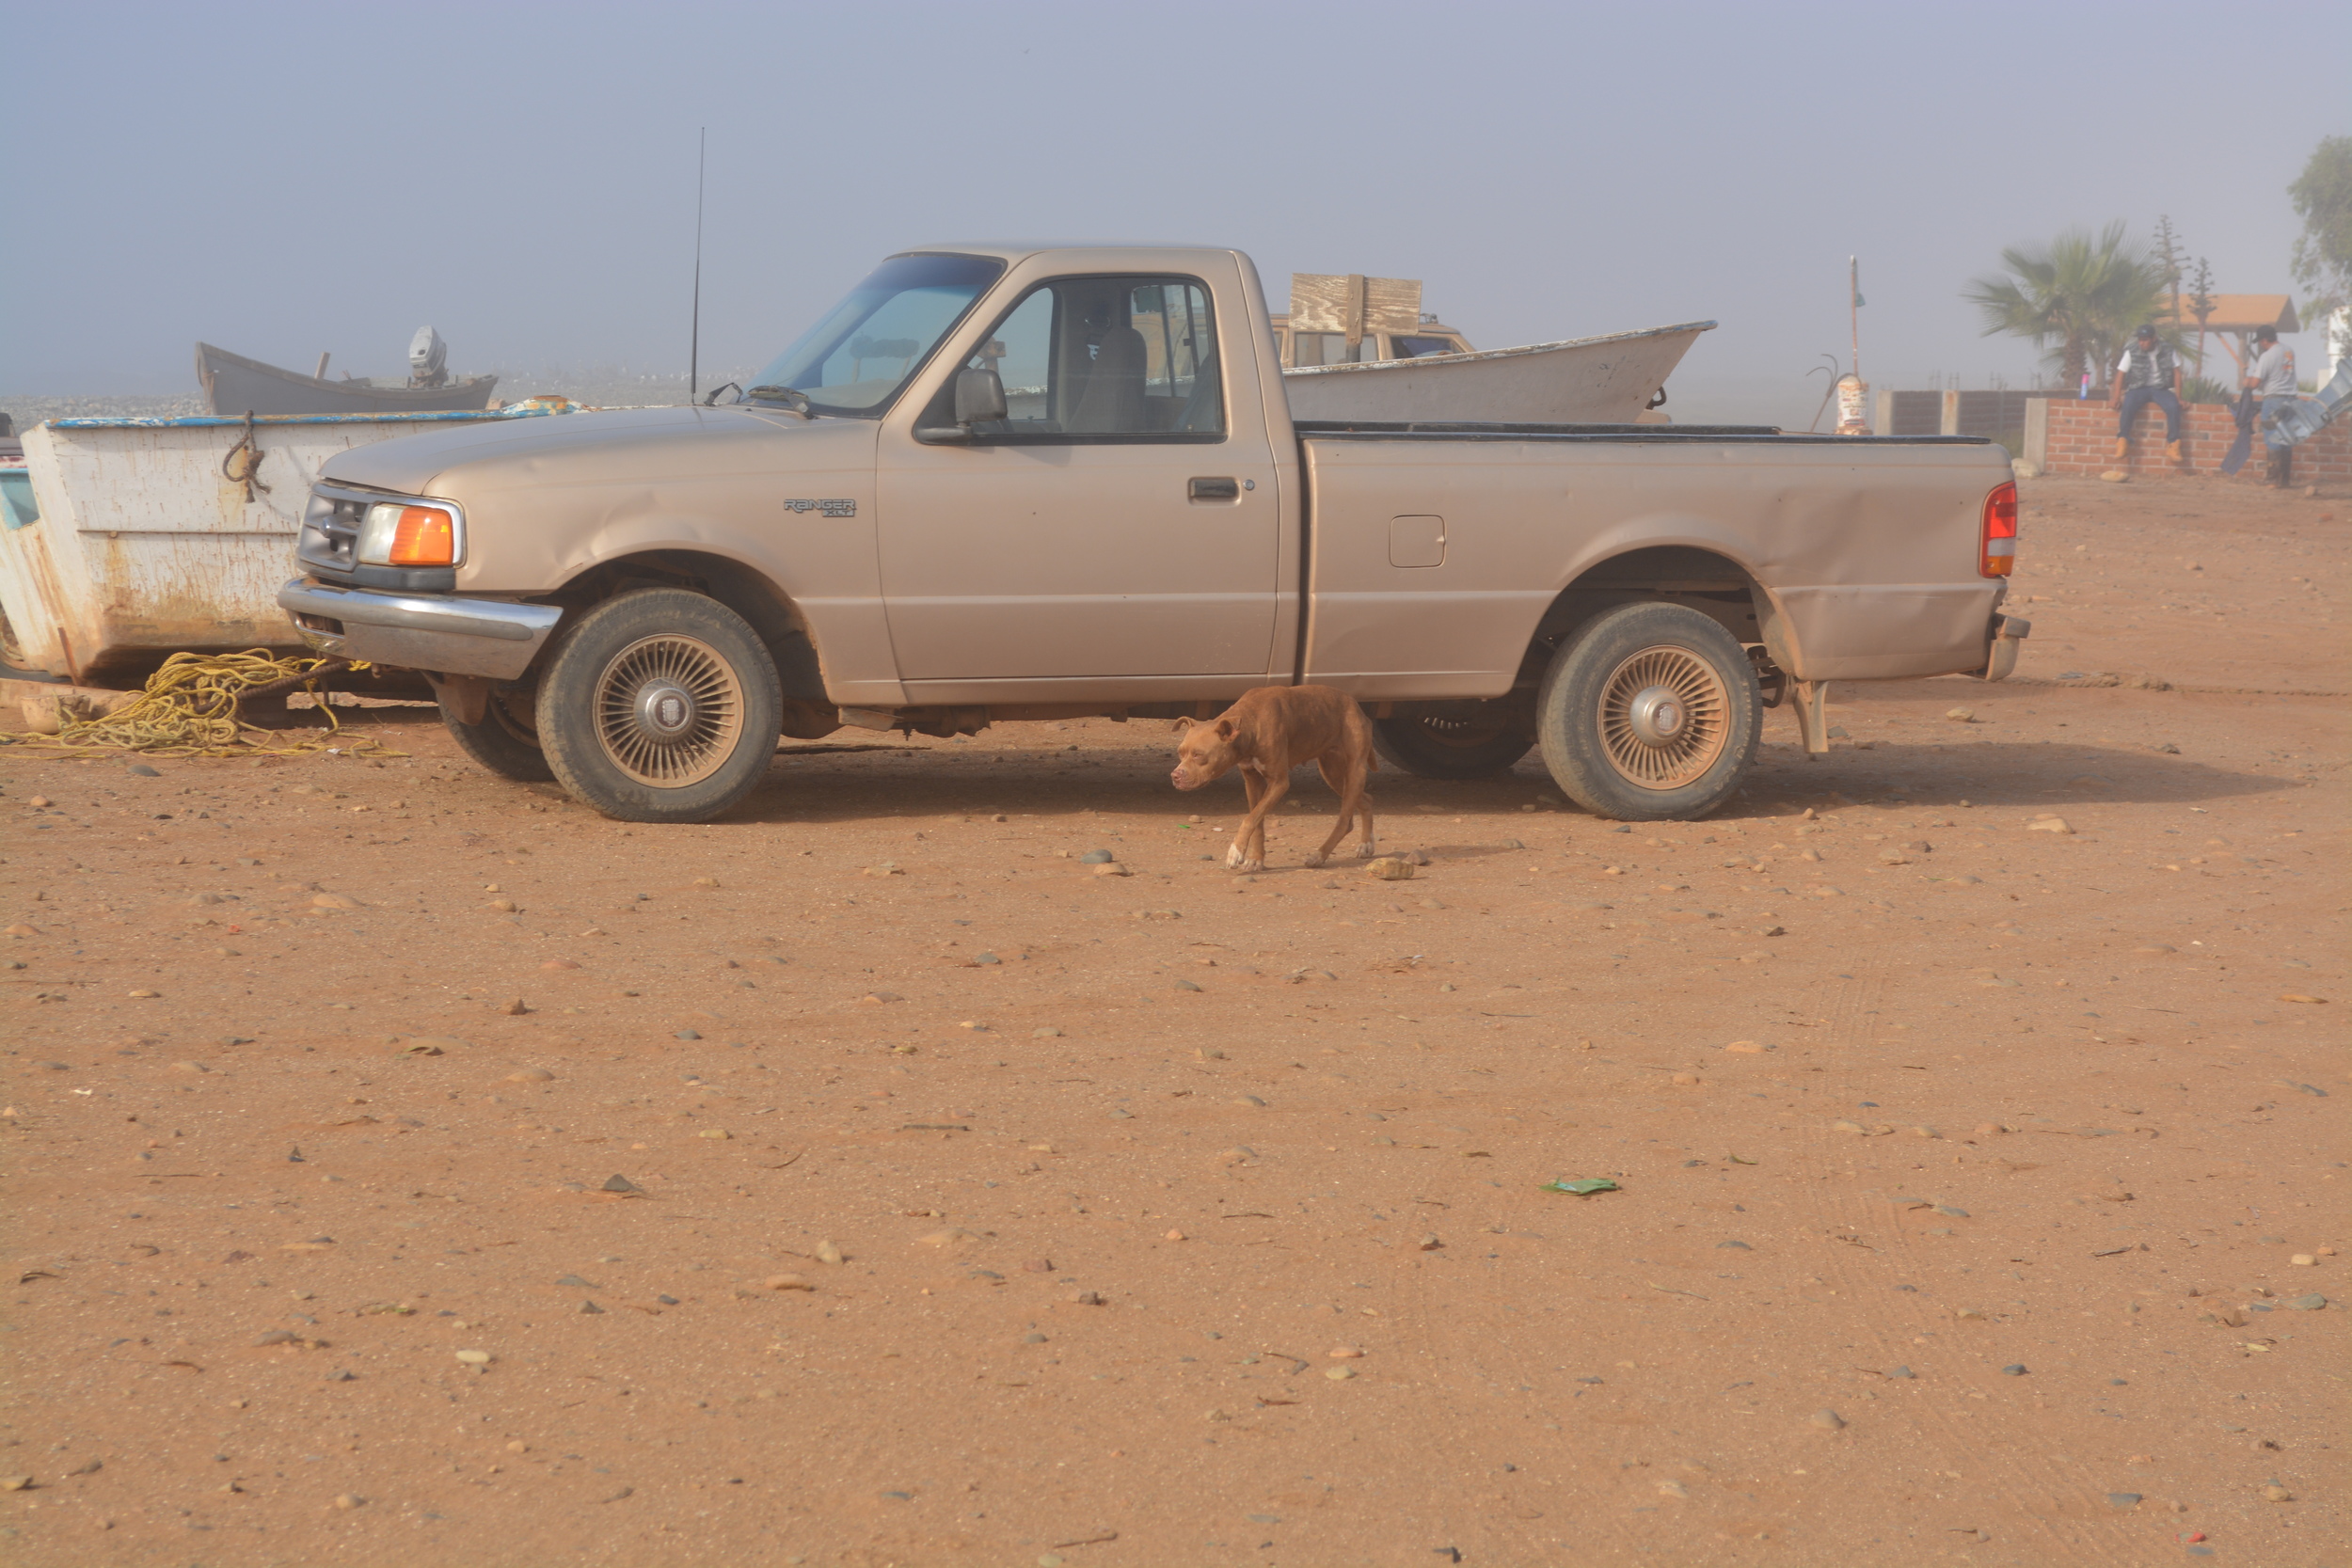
2078	298
2323	198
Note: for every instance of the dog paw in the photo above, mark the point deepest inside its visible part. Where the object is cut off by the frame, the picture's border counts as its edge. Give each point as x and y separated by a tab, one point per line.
1365	850
1313	861
1250	865
1233	857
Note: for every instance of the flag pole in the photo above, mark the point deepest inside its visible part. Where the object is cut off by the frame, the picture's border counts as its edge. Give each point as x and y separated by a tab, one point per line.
1854	307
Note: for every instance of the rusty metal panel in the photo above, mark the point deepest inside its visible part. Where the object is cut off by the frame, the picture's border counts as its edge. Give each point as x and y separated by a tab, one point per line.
145	547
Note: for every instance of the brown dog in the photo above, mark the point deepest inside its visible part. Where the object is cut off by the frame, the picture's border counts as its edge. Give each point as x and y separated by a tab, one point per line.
1266	733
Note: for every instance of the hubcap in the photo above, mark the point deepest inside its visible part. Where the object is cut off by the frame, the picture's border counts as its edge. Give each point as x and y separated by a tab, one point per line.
1664	718
669	711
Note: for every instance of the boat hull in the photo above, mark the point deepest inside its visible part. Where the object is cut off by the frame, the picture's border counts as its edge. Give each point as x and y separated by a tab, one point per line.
1606	380
234	384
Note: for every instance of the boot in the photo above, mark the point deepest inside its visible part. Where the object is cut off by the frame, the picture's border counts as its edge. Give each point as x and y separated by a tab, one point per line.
2286	467
2274	475
2122	447
2172	450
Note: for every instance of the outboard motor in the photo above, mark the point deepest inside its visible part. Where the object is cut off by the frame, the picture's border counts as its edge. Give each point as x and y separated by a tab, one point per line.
428	359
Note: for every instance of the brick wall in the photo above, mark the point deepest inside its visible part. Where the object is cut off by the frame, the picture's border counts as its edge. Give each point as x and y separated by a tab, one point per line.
2078	437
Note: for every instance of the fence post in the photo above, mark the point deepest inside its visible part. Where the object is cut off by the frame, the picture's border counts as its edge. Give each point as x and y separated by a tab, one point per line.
2038	433
1883	413
1947	421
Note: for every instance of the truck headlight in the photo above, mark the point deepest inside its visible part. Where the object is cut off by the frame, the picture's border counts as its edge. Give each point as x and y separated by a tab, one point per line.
395	533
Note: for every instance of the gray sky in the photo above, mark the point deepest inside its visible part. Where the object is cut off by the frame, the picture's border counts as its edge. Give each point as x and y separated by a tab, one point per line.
284	180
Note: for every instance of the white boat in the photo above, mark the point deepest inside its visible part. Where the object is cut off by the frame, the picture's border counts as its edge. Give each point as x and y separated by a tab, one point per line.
125	540
1605	380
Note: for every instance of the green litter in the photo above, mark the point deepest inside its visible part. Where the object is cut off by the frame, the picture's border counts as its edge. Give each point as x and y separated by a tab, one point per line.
1586	1188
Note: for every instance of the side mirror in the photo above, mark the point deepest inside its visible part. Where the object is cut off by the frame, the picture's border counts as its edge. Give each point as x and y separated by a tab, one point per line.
980	397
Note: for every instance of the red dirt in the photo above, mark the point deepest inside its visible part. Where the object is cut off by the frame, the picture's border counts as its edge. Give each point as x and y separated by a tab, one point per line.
1627	1377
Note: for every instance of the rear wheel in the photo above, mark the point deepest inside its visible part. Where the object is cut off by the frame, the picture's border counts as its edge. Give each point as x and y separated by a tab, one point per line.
1650	712
506	742
660	705
1472	745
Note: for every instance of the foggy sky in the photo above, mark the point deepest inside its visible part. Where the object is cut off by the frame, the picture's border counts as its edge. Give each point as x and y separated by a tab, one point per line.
284	180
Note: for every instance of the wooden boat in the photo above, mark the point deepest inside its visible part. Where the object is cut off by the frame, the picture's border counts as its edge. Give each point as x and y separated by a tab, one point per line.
1604	380
234	384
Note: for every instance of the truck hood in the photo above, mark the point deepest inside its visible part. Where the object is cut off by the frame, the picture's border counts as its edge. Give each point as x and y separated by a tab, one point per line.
622	446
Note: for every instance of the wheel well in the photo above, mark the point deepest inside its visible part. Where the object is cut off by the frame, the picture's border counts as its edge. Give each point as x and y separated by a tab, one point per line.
749	593
1714	585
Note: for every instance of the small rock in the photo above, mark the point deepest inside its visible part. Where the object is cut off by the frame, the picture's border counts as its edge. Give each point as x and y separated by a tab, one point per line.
2048	825
1903	1372
705	881
1097	856
1339	1374
1853	1127
589	1309
560	963
1088	1298
624	1185
2123	1499
2274	1493
1186	985
2304	1260
1390	868
505	906
530	1075
1112	869
2311	1303
1687	1080
15	1483
1174	1236
1248	1099
140	769
787	1282
2015	1368
1829	1419
347	1500
1747	1048
2116	476
1673	1489
1238	1154
882	997
1048	1032
687	1035
827	1252
716	1135
515	1008
333	901
1429	1244
1960	715
421	1048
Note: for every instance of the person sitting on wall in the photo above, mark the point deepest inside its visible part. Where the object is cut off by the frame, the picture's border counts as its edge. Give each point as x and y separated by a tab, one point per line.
2271	378
2146	374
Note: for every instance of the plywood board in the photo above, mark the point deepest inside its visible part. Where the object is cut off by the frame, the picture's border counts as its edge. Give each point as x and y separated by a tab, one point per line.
1353	302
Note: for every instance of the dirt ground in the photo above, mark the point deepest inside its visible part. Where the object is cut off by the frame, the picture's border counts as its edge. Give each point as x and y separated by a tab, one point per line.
865	1180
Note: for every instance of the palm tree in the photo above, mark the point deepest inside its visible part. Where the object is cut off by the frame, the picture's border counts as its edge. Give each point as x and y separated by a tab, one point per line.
2078	298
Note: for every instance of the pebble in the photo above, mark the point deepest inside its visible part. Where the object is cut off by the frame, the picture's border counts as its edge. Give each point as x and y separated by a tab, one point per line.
2015	1368
1186	985
1112	869
2304	1260
1390	868
1960	715
1747	1048
2048	825
1097	856
2311	1303
1673	1489
623	1184
705	881
1238	1154
1344	1353
1339	1374
716	1133
787	1282
1088	1298
2276	1493
560	963
1903	1372
1429	1244
1048	1032
530	1075
1687	1080
1174	1236
589	1309
1828	1418
828	1252
1248	1099
687	1035
2123	1499
434	1045
505	906
347	1500
15	1483
514	1009
333	901
140	769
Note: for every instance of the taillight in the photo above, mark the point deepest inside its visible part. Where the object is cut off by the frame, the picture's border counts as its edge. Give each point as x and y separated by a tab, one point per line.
1998	552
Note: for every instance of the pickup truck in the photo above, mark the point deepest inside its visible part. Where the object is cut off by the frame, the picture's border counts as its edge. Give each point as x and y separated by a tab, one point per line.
1005	481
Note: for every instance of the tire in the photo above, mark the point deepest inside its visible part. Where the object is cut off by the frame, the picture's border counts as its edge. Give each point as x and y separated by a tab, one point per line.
1649	713
506	742
660	705
1441	746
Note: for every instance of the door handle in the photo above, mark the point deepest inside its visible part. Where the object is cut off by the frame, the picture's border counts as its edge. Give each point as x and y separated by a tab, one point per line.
1213	489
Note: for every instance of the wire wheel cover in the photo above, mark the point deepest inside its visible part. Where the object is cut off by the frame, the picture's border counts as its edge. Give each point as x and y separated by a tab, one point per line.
1664	718
669	711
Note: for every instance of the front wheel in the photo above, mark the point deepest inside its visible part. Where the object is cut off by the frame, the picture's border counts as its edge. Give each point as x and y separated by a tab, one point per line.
1650	712
661	705
1452	746
504	741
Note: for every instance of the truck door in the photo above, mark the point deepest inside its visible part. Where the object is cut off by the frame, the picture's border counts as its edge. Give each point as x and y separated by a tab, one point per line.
1114	537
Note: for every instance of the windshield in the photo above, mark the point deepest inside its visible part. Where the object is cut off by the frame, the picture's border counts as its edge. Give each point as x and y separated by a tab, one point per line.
858	355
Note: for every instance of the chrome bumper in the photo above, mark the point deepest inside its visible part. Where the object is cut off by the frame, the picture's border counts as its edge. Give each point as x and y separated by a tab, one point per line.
416	631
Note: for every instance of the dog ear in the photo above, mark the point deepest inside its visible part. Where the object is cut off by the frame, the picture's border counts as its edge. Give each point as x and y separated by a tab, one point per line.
1184	723
1225	729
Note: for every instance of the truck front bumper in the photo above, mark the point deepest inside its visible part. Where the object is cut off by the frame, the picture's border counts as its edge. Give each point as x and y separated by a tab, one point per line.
494	638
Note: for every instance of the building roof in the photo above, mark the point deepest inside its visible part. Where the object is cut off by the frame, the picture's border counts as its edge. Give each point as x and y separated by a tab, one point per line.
2240	312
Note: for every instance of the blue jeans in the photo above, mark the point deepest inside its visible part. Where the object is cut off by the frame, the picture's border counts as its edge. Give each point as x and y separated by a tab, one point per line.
2137	397
2273	437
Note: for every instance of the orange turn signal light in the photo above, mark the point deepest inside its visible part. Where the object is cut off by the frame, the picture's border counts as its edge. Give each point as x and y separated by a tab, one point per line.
1997	539
425	536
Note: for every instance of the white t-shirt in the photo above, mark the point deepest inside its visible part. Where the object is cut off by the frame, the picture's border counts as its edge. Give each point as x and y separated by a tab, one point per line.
2274	372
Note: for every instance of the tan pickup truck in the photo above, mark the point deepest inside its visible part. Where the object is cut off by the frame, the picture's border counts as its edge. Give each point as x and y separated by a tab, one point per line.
1014	482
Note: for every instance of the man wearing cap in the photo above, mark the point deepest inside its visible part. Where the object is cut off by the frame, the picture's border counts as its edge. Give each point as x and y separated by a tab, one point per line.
2271	378
2146	374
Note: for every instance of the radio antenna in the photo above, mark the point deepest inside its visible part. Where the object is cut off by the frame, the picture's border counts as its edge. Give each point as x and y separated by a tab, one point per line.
694	343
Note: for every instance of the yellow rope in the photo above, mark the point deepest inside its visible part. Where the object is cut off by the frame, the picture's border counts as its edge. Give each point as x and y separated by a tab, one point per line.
189	710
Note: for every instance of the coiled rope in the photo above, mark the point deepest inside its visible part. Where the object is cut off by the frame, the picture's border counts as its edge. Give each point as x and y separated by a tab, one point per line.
189	710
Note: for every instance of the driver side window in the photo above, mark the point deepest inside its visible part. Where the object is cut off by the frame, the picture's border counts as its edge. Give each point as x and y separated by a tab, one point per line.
1107	359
